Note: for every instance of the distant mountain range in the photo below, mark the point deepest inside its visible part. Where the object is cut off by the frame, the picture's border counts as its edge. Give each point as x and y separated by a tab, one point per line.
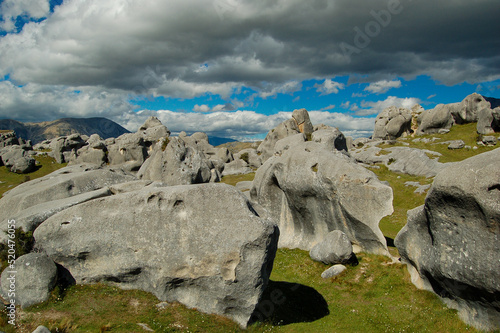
37	132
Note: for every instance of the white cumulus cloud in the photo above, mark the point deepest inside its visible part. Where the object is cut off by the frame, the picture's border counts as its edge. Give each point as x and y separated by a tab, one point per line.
383	86
371	108
329	87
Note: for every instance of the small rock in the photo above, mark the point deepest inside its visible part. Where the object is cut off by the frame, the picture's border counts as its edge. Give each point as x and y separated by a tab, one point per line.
489	140
333	271
456	144
41	329
336	248
145	327
162	305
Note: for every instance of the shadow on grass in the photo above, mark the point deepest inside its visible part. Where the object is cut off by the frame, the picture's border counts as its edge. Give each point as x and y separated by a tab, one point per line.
286	303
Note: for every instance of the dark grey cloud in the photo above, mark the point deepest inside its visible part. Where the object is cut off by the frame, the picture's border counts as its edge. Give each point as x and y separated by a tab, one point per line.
158	46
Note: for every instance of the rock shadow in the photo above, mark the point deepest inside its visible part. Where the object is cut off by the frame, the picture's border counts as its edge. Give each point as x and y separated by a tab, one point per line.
390	241
284	303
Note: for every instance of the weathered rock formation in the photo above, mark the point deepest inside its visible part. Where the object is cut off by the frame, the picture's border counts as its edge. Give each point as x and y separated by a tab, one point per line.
392	123
451	244
175	162
31	203
17	159
300	123
311	190
167	241
434	120
488	121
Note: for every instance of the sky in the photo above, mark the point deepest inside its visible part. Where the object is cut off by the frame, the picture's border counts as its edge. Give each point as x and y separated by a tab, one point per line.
237	68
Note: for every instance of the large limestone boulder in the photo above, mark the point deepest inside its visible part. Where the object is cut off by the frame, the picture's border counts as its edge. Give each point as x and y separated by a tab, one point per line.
301	117
332	137
168	241
300	123
488	121
236	167
451	243
287	128
311	190
94	152
129	152
439	118
64	147
412	161
175	162
32	279
392	123
336	248
468	110
31	203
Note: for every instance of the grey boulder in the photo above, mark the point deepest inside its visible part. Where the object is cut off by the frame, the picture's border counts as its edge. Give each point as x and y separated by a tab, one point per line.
41	329
488	121
451	243
167	241
434	120
392	123
333	271
236	167
64	148
310	191
33	202
332	137
336	248
468	110
34	278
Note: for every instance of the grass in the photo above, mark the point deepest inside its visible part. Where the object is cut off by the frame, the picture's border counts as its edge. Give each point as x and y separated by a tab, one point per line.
466	132
374	296
404	198
9	179
234	179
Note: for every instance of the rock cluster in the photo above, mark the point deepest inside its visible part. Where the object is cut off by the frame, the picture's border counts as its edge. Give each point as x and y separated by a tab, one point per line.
16	154
392	123
395	122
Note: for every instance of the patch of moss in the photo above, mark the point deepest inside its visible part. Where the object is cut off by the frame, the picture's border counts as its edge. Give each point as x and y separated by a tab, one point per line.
165	143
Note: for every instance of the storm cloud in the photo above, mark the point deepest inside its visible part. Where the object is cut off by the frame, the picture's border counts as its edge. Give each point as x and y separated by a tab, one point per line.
189	48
